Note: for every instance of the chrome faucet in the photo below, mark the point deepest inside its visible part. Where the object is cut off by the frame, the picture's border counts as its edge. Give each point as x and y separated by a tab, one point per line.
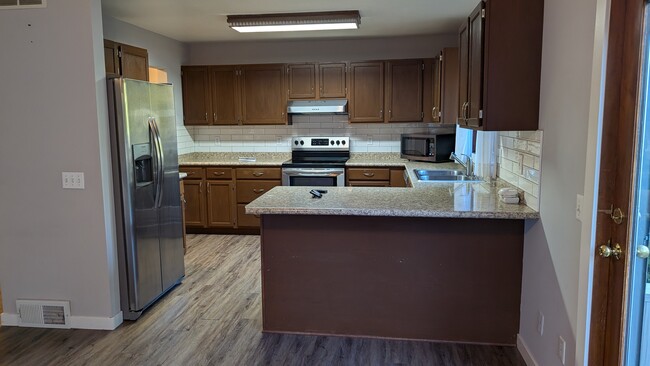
467	164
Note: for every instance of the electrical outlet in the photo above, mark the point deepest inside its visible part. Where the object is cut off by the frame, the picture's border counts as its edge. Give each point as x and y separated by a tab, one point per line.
561	349
280	140
369	140
540	323
73	180
579	202
217	140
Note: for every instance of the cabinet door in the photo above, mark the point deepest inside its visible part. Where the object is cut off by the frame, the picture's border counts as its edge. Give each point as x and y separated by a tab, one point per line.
301	80
221	204
437	90
404	91
427	90
475	81
226	103
332	82
366	91
463	70
111	59
263	95
134	62
449	85
196	95
195	203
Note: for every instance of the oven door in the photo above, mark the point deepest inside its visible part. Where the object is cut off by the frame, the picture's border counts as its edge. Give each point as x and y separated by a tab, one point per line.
313	177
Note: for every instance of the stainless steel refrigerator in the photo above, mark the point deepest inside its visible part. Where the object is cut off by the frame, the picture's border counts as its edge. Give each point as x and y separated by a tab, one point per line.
146	189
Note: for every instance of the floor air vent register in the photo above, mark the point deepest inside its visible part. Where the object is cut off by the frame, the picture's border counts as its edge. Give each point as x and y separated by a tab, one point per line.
43	314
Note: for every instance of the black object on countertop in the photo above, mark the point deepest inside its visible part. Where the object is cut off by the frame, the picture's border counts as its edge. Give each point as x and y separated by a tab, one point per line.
315	193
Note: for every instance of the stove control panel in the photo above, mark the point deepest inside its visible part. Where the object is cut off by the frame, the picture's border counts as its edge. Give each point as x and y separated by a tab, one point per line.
321	143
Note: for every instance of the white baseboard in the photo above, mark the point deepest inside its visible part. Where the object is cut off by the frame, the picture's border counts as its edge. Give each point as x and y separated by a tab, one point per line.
76	322
522	347
9	320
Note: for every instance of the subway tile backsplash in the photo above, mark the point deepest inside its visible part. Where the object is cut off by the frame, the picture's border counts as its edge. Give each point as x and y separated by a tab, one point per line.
519	162
364	137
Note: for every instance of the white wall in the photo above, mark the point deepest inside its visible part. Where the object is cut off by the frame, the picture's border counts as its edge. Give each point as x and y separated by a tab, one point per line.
164	53
552	244
225	53
56	244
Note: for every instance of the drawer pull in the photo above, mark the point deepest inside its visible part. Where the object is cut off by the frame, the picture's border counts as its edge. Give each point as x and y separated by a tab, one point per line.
218	174
258	174
258	191
190	173
369	174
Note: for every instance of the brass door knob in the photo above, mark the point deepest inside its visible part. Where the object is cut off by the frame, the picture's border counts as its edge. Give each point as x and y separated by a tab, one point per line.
607	251
642	251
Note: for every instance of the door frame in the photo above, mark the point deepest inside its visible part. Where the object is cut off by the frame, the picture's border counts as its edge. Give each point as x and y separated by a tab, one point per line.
615	178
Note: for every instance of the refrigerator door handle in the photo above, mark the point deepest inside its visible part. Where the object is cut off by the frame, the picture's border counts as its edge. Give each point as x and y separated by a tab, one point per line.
157	162
161	162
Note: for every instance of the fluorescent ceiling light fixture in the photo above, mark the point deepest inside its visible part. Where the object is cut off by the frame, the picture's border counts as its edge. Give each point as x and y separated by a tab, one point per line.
293	22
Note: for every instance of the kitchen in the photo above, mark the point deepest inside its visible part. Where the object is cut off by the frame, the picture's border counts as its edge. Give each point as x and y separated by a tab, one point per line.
364	138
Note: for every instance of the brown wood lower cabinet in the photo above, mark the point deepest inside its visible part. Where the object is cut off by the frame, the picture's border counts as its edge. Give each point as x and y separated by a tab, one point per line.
195	215
216	197
220	199
375	177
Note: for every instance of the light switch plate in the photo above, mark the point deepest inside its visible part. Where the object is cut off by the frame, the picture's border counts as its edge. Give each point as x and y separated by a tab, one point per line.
73	180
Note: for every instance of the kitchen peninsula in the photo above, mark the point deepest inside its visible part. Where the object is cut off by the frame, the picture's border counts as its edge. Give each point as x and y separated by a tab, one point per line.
436	261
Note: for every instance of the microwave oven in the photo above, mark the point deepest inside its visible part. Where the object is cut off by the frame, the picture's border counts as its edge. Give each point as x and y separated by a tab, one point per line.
432	148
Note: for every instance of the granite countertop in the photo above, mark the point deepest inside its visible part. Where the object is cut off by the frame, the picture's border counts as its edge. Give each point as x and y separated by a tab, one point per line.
260	159
424	199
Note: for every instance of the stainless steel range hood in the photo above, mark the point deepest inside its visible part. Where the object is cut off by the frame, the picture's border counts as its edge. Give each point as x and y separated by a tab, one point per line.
330	106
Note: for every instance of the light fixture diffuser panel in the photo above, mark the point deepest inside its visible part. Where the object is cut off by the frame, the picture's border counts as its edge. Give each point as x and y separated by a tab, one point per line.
295	22
295	27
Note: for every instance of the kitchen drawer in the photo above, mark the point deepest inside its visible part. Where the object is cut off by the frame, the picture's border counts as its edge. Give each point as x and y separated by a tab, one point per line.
259	173
369	183
368	174
245	220
247	191
218	173
192	172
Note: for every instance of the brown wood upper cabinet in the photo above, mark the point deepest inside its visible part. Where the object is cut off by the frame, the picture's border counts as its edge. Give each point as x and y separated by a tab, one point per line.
499	92
366	80
234	95
225	95
441	87
301	81
197	108
316	80
127	61
263	95
404	91
332	80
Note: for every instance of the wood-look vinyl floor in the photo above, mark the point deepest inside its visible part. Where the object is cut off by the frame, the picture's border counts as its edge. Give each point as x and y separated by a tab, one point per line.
214	318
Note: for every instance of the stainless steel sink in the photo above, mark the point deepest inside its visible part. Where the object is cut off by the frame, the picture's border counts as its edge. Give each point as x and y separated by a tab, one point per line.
443	176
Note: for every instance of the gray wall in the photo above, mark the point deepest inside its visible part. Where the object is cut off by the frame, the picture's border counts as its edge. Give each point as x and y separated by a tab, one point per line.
56	244
552	244
319	50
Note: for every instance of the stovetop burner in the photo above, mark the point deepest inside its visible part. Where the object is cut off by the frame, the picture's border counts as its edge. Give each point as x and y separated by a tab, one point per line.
317	152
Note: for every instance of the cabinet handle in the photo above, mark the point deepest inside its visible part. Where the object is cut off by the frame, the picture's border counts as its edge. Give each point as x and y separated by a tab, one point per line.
467	108
369	174
258	174
258	191
206	116
184	201
218	174
208	185
433	113
200	187
214	115
190	173
381	113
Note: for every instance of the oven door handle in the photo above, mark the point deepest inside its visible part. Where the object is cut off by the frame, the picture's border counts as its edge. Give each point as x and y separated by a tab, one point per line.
305	172
324	174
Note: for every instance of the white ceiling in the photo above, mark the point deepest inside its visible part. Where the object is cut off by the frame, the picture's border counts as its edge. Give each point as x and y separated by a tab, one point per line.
205	20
